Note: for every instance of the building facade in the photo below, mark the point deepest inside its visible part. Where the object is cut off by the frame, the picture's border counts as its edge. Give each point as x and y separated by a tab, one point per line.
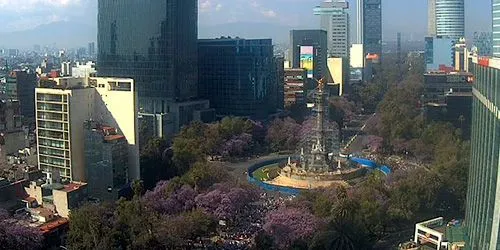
496	27
483	191
450	18
238	76
155	43
20	86
295	82
359	21
483	42
61	112
13	135
106	156
335	20
372	26
310	51
431	18
448	98
439	53
83	70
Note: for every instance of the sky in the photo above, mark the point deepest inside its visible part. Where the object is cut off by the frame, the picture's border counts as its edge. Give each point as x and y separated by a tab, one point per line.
406	16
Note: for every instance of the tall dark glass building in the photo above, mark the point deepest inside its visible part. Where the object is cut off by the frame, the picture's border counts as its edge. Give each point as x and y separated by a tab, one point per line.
372	26
482	216
155	43
20	86
238	76
309	50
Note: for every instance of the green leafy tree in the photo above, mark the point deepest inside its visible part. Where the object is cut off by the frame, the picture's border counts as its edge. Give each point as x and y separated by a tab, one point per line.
203	175
188	146
156	162
92	227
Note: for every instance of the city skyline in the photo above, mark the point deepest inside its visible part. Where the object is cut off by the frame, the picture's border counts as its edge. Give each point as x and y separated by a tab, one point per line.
296	14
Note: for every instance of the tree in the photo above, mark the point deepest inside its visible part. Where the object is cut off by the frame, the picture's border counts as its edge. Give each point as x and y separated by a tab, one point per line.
263	241
91	227
188	147
225	202
283	134
156	162
232	126
213	140
204	175
15	236
164	201
340	110
287	225
181	230
238	146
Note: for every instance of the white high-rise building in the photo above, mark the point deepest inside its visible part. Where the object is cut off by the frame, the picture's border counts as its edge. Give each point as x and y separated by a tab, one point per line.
335	20
62	110
450	18
431	17
359	21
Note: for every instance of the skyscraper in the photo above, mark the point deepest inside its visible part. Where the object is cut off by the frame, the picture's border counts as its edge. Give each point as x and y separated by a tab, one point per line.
20	86
238	76
450	18
439	53
372	26
496	27
335	20
359	21
91	49
483	190
154	42
309	51
484	43
431	18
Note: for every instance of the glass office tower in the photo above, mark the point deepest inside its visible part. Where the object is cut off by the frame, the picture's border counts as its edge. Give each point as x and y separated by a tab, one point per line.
238	76
450	18
483	193
372	26
496	27
154	42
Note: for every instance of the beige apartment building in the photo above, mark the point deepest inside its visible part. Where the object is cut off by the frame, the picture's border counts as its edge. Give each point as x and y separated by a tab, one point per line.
63	107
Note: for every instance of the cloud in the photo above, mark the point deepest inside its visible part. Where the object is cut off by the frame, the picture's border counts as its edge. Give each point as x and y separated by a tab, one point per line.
28	14
27	5
205	6
268	13
218	7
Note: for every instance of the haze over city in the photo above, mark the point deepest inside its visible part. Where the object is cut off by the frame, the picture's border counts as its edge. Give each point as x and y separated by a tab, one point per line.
257	18
250	124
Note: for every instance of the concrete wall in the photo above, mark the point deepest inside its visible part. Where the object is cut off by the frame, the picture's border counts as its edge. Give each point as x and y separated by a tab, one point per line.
337	72
81	105
119	108
357	56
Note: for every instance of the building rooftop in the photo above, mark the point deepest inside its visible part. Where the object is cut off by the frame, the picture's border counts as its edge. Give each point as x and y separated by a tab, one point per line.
109	138
42	212
438	73
73	186
53	225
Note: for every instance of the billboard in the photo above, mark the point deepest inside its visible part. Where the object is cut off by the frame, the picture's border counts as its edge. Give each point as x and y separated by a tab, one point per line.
307	59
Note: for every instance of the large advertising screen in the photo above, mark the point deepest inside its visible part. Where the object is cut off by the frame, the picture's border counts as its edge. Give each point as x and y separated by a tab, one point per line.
307	59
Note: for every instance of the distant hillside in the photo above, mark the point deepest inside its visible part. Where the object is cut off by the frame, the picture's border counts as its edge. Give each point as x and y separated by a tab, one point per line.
74	34
279	33
63	34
